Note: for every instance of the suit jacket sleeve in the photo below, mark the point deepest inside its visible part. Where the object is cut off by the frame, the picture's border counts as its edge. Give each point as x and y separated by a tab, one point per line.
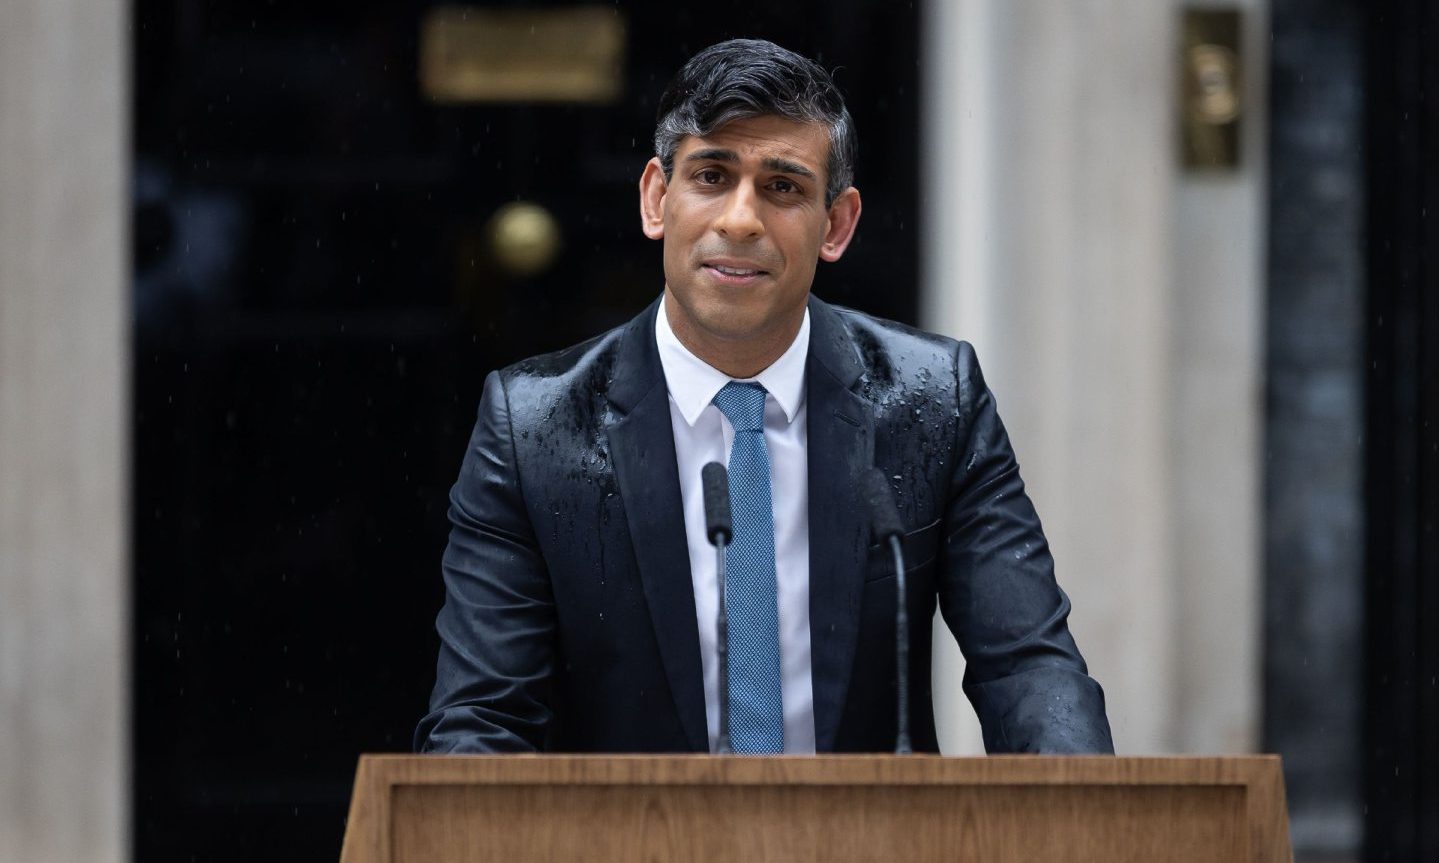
497	626
1024	675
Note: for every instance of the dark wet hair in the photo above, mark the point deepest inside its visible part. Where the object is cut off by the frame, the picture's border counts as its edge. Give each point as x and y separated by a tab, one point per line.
745	78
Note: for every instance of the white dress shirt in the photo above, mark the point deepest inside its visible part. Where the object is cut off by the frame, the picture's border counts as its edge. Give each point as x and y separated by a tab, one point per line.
702	435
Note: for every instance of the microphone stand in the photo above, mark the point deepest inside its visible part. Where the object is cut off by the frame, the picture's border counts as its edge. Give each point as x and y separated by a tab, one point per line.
901	649
886	526
722	746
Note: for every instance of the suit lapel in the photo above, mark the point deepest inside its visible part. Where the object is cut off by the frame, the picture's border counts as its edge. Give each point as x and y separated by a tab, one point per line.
840	448
643	447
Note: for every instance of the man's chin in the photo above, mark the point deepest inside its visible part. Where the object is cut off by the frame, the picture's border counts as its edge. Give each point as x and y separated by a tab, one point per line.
738	329
735	316
727	330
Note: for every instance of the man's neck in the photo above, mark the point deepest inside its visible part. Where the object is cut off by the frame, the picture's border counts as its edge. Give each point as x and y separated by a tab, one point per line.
740	359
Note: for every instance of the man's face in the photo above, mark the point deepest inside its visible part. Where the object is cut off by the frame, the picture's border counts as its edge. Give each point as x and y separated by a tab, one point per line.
744	222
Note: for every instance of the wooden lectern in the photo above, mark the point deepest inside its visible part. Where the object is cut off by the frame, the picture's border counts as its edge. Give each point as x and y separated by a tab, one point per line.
858	807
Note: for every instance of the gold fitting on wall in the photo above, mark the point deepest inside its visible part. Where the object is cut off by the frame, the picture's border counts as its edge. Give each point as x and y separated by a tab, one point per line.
1212	79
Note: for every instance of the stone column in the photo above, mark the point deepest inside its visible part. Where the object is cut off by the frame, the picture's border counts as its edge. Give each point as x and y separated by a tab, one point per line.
64	420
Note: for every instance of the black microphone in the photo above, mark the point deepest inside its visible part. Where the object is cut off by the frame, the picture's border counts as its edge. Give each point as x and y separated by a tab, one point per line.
718	523
719	528
886	527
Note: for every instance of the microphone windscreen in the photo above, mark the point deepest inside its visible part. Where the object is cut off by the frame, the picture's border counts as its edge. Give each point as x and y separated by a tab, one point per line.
883	515
718	524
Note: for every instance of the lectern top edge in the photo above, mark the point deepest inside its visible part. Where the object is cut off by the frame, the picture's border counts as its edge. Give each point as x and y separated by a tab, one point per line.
880	769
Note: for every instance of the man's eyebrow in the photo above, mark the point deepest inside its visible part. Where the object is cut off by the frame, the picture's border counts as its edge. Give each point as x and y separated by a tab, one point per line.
785	166
713	154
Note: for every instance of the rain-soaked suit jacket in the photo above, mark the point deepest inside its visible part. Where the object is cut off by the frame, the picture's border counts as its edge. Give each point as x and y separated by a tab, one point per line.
569	621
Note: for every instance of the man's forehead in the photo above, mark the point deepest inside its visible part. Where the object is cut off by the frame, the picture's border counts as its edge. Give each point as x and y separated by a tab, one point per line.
765	135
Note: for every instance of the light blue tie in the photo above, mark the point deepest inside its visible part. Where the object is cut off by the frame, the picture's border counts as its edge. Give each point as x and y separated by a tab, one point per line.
756	707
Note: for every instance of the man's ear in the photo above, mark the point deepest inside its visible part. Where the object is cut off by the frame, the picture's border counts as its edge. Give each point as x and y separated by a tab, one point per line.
652	199
843	217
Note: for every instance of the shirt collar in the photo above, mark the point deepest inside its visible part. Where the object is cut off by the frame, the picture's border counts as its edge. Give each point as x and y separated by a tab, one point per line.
693	383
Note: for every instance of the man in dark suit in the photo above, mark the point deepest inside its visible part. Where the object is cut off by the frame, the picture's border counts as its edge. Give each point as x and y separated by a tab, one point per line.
580	586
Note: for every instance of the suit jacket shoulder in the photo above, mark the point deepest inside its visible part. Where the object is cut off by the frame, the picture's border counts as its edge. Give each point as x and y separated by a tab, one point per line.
904	362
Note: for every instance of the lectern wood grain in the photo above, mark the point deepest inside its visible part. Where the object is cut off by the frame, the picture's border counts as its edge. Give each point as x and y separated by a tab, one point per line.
519	808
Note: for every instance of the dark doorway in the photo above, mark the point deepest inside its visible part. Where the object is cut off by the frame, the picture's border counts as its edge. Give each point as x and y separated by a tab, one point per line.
314	316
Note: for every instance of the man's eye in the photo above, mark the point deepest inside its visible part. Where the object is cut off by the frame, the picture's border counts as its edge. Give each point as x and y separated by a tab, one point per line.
709	177
784	187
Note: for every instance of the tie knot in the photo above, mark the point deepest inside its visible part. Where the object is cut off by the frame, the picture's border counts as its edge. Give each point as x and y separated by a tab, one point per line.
743	405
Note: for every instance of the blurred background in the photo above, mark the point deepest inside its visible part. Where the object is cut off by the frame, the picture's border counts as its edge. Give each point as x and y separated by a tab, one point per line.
256	259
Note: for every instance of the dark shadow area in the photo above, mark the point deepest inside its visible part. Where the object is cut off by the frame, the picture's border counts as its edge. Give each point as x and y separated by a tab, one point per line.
1401	731
316	306
1314	425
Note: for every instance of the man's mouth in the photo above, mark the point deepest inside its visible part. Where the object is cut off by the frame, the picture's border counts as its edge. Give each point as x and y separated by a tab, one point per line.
735	273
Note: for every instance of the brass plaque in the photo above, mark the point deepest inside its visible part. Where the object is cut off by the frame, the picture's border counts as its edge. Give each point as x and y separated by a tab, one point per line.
471	54
1213	85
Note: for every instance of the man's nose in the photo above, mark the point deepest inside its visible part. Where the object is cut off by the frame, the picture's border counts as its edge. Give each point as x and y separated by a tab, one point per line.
740	218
